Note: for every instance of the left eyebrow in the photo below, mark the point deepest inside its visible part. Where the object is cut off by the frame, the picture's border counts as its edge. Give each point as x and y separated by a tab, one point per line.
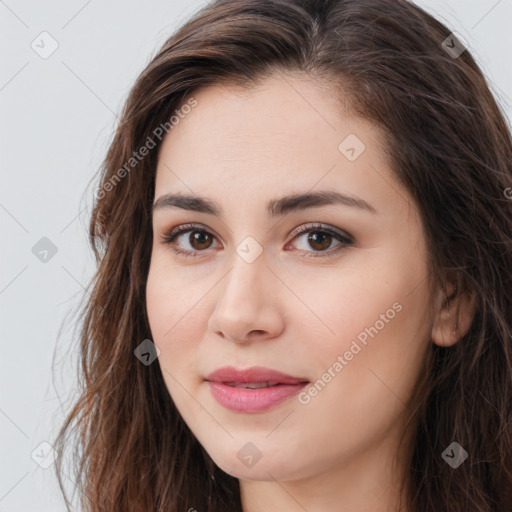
275	207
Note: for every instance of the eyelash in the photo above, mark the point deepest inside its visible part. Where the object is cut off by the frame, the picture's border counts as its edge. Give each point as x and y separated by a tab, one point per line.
344	239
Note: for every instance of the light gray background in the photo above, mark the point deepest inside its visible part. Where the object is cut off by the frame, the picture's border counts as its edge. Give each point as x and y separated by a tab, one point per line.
57	116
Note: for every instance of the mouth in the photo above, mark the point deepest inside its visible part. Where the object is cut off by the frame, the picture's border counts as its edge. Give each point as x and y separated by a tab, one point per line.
253	385
254	389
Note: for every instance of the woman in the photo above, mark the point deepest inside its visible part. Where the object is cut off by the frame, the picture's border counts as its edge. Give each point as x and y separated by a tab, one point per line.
231	363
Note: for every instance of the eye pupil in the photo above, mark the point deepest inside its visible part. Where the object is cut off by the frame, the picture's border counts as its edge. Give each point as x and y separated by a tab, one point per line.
317	237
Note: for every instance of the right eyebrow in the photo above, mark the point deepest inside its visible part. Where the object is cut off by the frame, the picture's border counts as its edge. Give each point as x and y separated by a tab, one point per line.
275	207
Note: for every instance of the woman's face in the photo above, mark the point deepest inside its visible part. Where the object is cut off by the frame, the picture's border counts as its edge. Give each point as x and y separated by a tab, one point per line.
340	308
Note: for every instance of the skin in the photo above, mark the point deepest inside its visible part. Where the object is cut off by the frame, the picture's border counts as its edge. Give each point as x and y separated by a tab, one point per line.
285	310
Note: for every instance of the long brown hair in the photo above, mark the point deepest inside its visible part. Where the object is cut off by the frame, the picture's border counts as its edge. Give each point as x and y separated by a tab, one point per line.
450	146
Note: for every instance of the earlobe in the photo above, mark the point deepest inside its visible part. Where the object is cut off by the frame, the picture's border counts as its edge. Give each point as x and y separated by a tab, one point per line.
454	316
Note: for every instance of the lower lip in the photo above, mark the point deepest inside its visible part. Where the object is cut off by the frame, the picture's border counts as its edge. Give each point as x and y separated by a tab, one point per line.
252	400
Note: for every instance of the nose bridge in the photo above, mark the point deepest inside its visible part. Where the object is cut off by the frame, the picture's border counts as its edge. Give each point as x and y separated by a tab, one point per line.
248	258
243	305
244	282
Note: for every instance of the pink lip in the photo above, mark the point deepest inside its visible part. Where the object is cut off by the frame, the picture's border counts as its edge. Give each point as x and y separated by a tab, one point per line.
223	384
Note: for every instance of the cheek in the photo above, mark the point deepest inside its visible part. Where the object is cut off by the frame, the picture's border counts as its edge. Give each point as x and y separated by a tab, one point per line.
371	331
174	316
346	306
158	303
379	302
175	330
357	400
375	358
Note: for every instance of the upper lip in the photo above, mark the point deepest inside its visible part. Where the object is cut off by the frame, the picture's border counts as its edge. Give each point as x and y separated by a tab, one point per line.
253	374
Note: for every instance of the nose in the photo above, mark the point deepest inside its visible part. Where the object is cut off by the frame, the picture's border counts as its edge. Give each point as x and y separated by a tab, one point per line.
247	304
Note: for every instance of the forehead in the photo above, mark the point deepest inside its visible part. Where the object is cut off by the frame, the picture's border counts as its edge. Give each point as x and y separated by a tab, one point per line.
279	114
284	134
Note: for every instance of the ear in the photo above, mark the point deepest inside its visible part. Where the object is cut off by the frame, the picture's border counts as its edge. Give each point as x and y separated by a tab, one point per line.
454	313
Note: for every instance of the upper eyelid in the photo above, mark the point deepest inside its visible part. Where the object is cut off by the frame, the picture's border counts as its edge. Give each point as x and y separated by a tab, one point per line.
300	230
185	228
311	226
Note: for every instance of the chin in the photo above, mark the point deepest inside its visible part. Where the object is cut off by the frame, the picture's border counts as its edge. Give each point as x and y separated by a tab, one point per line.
266	468
243	473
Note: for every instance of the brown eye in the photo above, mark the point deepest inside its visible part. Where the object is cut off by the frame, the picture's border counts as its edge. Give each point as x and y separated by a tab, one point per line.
319	240
200	240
